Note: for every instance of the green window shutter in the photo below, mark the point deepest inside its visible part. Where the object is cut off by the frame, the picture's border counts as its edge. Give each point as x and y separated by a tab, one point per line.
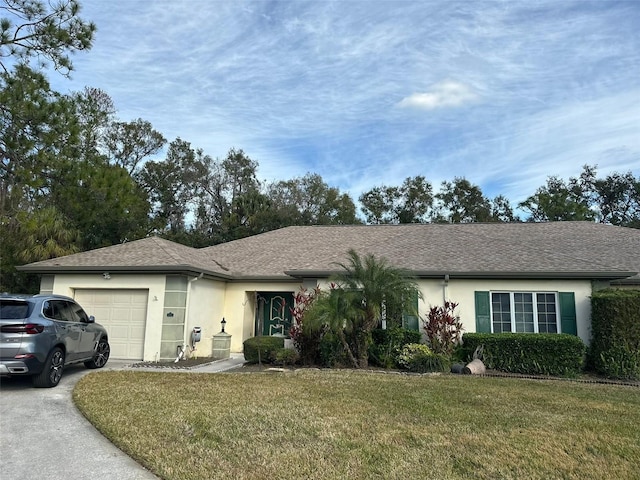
568	313
410	319
483	312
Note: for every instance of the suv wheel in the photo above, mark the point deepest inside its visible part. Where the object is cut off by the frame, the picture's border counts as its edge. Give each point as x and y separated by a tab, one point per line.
52	371
101	356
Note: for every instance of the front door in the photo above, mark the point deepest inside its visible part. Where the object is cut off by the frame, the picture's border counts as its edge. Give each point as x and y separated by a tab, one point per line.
274	313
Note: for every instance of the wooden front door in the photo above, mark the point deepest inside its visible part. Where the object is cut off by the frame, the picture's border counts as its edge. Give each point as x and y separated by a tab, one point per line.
274	313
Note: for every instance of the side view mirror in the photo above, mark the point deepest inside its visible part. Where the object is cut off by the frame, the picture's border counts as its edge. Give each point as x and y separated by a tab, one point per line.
92	319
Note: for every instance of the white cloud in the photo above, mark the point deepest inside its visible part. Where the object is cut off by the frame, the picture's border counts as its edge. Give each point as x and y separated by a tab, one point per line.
444	94
312	86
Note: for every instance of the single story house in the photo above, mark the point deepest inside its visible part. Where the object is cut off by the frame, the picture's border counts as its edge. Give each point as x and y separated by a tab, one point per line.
533	277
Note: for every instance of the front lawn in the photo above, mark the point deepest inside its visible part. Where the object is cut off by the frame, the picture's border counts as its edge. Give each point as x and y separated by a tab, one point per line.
355	425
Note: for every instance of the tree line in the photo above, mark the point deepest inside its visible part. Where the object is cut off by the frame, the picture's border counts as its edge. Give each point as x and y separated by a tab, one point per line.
614	199
74	176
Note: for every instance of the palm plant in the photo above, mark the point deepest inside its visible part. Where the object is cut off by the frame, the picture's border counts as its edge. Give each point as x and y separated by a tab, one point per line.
354	308
336	310
45	234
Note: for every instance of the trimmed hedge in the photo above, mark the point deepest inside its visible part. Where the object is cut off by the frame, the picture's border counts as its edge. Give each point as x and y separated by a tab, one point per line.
619	362
615	323
528	353
262	349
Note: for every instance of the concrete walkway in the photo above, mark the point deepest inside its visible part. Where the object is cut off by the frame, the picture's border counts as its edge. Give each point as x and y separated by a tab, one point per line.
236	360
43	435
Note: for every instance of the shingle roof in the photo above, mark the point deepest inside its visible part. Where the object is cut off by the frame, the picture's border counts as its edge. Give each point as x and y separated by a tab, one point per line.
148	254
560	249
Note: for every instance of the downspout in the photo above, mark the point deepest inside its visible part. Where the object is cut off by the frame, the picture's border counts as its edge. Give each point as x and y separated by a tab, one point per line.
445	289
182	351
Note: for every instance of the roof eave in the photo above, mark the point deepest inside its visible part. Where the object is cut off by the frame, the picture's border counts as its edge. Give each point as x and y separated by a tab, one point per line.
311	273
173	269
627	281
296	275
516	275
617	275
265	278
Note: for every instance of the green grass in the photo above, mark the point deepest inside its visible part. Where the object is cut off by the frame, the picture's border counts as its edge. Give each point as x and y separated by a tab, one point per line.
343	424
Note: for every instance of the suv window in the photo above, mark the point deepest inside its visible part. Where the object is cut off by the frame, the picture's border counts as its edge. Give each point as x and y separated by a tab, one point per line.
15	309
77	313
57	310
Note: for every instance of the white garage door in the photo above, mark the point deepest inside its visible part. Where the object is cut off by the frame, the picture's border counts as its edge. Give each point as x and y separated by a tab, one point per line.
123	313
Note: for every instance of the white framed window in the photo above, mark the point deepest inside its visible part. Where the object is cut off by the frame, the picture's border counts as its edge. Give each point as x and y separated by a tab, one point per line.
525	312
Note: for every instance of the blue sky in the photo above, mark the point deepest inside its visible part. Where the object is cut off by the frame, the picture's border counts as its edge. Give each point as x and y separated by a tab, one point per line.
367	93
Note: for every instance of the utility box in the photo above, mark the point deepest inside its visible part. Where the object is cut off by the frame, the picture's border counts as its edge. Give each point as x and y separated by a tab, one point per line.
221	346
196	334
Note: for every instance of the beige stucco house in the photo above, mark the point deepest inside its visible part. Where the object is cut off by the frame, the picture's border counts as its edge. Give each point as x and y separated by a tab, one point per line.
152	293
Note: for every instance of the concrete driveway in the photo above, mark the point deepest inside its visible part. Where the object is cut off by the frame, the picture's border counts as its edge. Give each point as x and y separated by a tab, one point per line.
43	435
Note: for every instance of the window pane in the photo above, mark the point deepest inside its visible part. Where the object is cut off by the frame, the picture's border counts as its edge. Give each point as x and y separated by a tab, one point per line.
523	307
76	314
547	318
58	308
14	310
501	307
505	302
176	283
175	299
173	316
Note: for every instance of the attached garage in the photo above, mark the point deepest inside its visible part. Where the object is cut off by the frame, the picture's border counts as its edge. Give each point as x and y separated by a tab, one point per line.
123	313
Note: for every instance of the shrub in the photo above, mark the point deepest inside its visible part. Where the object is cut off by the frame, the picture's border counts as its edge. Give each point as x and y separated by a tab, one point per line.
307	344
619	362
615	344
262	349
285	356
410	351
443	328
331	351
417	357
436	362
387	344
306	341
459	354
528	353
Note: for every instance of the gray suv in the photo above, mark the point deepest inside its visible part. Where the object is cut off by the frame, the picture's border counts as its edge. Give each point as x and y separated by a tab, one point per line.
40	334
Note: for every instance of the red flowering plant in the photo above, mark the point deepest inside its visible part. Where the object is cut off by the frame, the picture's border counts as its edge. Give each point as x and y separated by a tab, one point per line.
443	328
302	301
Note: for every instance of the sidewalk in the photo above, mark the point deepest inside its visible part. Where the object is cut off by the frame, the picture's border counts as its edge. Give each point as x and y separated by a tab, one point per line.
235	360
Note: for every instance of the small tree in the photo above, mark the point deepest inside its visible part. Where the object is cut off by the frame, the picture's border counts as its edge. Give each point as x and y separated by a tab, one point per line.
443	328
353	308
338	311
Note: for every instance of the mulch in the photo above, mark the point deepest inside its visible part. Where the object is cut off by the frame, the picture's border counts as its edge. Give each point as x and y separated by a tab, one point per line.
180	365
